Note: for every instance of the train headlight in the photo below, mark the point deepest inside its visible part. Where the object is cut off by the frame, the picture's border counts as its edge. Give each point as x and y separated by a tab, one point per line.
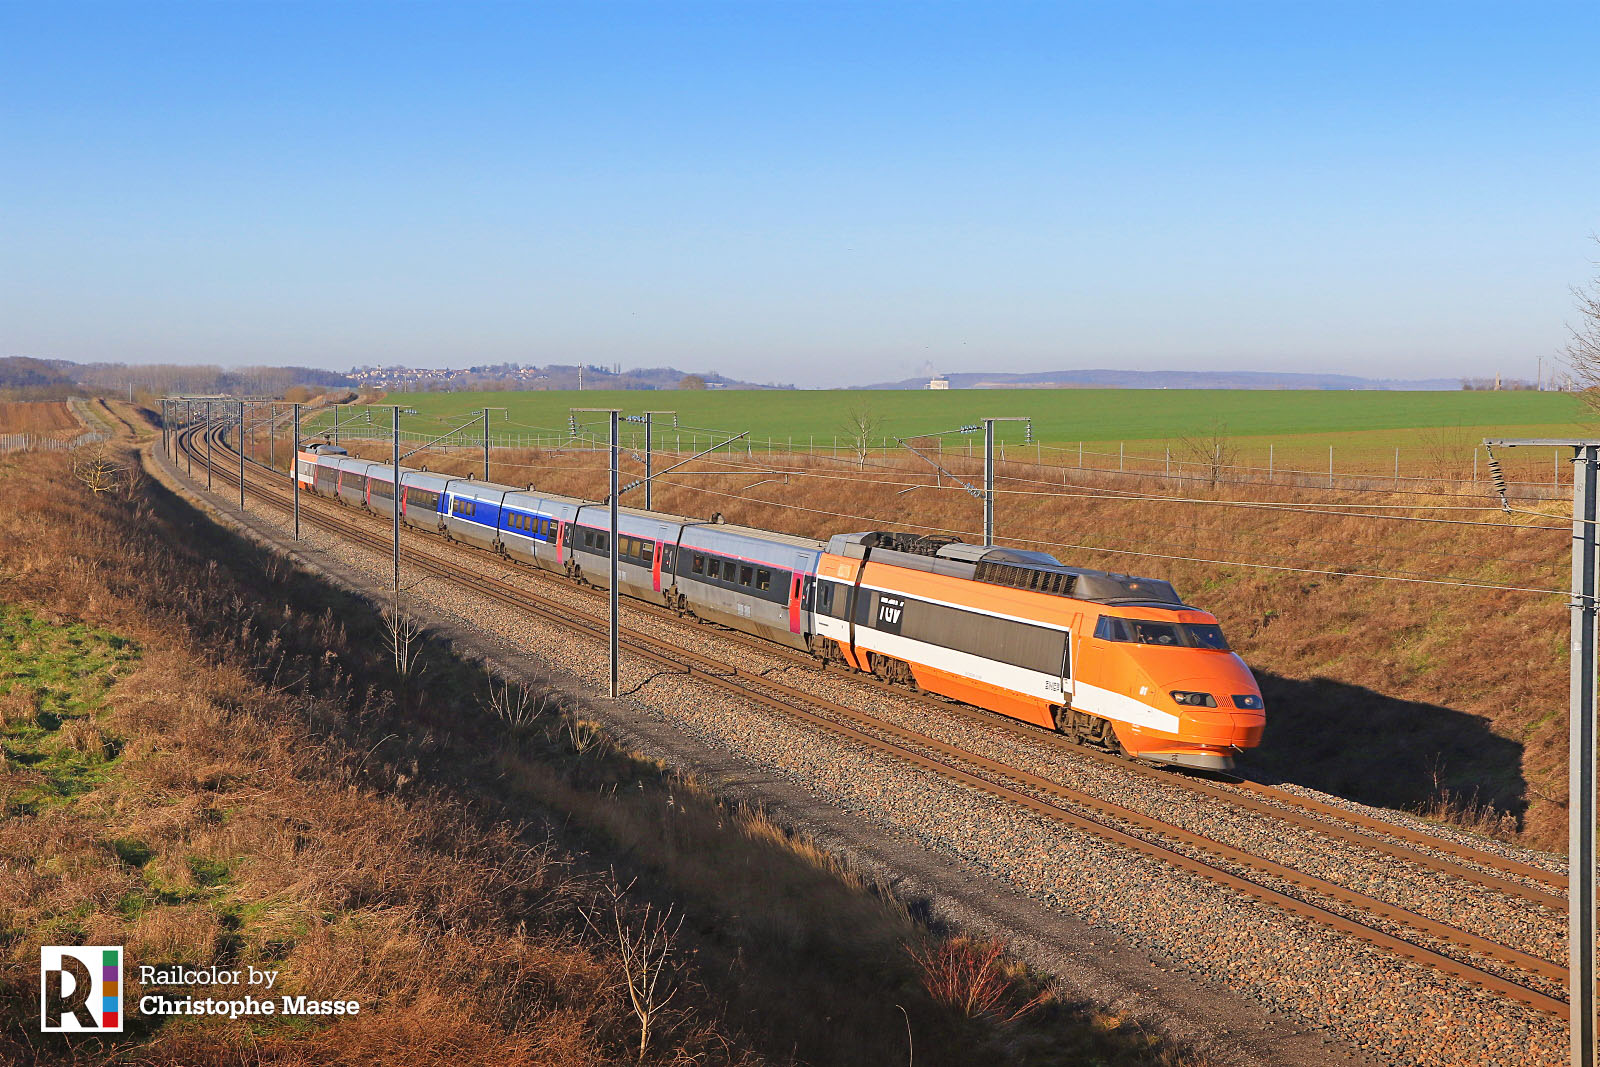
1248	700
1194	700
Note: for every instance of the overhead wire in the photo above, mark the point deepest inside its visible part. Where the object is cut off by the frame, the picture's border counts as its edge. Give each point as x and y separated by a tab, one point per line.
1408	576
1446	581
1113	496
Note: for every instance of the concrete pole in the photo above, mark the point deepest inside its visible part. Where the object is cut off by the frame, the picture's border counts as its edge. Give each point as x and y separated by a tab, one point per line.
649	484
394	459
613	546
1581	746
485	444
208	446
295	467
988	482
241	455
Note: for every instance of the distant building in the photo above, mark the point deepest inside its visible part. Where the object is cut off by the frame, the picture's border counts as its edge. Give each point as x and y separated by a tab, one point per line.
939	382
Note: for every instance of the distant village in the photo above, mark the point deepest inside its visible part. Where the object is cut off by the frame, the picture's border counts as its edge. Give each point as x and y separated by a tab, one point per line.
517	376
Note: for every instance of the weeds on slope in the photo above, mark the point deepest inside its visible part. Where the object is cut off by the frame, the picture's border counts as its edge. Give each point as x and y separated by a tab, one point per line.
280	796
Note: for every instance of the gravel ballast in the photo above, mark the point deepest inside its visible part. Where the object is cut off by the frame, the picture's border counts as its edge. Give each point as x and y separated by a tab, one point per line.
1397	1011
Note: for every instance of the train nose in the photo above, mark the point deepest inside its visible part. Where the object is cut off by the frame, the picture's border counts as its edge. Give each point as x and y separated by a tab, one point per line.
1237	717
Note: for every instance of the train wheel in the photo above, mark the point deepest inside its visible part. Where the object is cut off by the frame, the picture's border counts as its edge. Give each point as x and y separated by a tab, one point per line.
1063	721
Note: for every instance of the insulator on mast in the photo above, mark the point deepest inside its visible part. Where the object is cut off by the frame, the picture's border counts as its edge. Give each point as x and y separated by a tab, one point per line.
1499	477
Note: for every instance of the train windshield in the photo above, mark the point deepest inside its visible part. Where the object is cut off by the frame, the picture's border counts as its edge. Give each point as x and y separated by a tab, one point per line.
1152	632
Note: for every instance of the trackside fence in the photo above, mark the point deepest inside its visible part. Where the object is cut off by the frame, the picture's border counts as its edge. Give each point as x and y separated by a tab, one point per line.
1051	464
33	442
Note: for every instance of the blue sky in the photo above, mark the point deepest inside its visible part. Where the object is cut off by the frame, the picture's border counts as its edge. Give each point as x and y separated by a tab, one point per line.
805	192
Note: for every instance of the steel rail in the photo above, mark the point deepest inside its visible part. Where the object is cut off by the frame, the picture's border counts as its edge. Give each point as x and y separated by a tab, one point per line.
899	743
1490	870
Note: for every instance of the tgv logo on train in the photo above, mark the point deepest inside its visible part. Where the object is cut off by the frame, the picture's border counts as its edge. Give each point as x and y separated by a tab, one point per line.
1115	661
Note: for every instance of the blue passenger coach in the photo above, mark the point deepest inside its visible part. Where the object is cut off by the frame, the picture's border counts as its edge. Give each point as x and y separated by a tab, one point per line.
752	580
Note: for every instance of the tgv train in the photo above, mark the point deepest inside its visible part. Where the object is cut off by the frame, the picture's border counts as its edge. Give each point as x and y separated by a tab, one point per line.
1115	661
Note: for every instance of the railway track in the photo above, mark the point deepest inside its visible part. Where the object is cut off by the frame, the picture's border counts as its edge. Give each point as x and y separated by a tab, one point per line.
1052	800
1497	873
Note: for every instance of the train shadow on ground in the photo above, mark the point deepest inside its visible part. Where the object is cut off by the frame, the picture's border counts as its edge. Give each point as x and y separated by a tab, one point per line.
1375	749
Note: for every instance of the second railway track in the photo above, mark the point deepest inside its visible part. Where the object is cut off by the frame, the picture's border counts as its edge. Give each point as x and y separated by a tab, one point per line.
1053	800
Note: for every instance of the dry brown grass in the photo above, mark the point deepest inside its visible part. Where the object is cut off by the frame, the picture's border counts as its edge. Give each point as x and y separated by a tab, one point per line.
1387	692
277	799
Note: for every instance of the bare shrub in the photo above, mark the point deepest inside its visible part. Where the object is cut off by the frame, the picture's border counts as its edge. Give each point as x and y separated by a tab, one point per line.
99	469
646	942
516	705
1584	349
404	640
582	734
1213	449
1467	811
860	425
974	978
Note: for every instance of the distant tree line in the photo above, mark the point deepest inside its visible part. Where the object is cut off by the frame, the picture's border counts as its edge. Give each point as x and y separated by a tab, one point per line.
1504	385
30	378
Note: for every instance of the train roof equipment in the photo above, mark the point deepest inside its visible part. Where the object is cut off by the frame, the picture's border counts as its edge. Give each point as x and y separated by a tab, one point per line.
1016	568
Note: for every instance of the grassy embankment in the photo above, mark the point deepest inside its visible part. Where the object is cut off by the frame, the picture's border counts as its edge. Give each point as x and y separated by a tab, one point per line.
1446	700
210	759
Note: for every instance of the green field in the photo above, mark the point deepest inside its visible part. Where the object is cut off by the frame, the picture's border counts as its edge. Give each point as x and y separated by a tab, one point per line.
1061	416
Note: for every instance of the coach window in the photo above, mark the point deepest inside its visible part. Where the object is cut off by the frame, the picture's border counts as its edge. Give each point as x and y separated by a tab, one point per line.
715	568
744	575
649	553
763	579
699	563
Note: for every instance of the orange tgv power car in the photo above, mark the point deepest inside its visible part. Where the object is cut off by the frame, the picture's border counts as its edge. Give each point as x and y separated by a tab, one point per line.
1115	661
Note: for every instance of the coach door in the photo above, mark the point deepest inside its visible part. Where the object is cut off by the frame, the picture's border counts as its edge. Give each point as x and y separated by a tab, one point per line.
1066	668
797	585
660	554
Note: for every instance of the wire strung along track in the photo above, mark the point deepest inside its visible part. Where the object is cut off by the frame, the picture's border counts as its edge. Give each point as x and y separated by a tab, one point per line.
1088	814
1491	871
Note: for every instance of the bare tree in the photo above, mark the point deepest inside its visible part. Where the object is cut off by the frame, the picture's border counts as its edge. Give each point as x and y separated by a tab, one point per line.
1584	348
96	466
645	944
860	424
1213	449
405	642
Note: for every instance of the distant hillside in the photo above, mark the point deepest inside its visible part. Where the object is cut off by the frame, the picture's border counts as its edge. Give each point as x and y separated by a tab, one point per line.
1170	379
21	372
